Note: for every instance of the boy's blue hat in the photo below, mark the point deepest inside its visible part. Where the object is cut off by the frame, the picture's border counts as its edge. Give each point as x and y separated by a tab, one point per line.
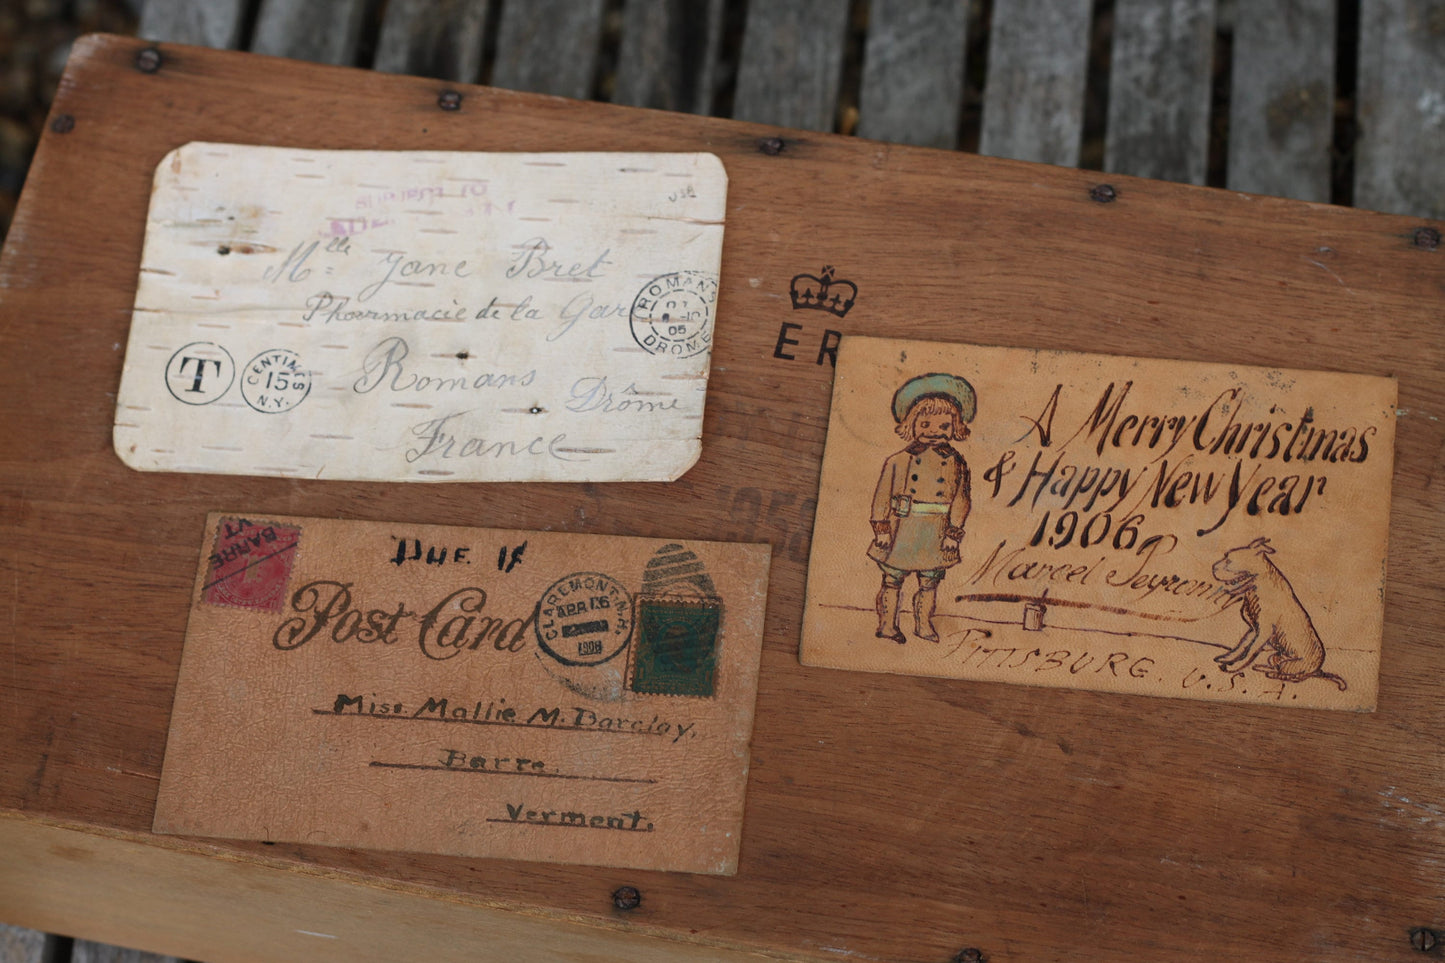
938	385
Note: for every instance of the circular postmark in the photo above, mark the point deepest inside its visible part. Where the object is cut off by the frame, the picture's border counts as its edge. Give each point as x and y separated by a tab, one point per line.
199	373
584	619
274	381
672	314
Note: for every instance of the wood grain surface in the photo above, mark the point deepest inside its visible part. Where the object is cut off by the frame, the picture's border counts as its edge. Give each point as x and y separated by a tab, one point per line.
887	817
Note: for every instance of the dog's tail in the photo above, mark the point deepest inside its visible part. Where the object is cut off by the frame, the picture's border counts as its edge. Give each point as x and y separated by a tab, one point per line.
1333	678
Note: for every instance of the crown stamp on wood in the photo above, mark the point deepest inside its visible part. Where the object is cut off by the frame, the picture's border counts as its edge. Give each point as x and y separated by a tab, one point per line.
823	292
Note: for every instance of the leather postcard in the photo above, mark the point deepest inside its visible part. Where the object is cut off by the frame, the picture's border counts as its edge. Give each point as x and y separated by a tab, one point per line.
467	691
423	316
1164	528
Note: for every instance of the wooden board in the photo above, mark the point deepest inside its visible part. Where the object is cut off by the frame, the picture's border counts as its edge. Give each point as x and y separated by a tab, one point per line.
791	65
668	57
214	24
1401	112
20	945
549	46
1037	64
913	72
433	38
1159	89
886	817
326	31
1282	99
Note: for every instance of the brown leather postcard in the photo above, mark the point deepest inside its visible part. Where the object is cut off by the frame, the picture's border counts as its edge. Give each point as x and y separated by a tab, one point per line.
1161	528
479	692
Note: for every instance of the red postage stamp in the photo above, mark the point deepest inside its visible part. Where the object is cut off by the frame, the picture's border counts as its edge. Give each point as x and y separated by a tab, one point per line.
251	564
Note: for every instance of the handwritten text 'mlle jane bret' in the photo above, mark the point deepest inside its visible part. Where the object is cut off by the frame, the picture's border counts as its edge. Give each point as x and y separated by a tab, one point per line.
459	622
398	275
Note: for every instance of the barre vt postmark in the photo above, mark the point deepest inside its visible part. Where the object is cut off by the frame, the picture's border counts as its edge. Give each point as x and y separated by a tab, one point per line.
672	314
250	564
584	619
274	381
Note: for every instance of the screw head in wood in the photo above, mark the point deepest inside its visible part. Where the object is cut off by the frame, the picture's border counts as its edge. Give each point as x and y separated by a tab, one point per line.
626	898
1427	238
1423	938
1103	193
63	124
970	955
449	100
148	61
772	146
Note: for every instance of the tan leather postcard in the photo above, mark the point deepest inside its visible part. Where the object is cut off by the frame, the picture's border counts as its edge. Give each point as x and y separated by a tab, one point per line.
1162	528
423	316
467	691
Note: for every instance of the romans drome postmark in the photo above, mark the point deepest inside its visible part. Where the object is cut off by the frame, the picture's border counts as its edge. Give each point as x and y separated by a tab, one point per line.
274	381
672	314
584	619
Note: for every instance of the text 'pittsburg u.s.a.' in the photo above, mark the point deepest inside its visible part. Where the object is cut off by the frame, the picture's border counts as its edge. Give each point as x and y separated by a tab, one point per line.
423	316
466	691
1155	527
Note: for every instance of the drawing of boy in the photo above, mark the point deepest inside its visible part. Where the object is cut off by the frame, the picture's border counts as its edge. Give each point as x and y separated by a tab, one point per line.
922	498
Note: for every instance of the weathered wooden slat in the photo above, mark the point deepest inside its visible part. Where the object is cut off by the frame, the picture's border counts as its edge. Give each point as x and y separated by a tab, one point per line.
913	65
668	58
323	31
20	945
549	46
1159	82
433	38
214	23
86	951
791	65
1034	94
1281	107
1401	107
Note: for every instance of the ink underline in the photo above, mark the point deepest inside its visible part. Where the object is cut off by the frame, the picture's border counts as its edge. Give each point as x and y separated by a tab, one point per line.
538	822
499	772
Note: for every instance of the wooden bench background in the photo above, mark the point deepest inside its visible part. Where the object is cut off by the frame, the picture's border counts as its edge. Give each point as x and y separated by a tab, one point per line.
1317	100
1320	100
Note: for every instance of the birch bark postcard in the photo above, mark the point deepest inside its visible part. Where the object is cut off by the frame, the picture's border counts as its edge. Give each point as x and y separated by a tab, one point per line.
1164	528
423	315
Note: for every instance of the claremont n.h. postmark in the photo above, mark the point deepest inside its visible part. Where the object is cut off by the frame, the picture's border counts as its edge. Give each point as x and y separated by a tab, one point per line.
672	314
584	619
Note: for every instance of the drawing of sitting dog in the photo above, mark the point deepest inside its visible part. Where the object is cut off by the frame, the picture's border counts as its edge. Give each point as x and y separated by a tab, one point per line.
1274	617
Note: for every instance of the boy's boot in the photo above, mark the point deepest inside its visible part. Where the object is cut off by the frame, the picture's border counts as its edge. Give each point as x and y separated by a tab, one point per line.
923	613
888	615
